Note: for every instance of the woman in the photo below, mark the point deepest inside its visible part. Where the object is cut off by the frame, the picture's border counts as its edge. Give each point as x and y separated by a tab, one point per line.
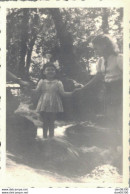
110	71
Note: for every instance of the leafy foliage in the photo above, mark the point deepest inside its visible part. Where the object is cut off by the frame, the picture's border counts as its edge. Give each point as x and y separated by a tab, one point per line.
35	36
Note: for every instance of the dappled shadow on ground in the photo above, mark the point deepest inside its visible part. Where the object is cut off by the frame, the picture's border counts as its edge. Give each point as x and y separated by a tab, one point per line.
97	144
81	148
89	134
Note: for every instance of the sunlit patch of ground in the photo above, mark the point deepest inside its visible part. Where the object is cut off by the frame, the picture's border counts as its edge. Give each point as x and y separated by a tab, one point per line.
22	175
103	174
18	175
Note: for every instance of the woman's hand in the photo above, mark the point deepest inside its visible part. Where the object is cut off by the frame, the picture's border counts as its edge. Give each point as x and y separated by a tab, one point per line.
77	91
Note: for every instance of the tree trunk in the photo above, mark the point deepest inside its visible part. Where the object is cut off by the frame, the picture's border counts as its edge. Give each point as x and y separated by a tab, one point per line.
23	43
29	54
105	25
31	43
66	55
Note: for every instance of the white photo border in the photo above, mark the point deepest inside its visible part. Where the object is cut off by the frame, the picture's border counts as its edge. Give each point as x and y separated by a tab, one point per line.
69	4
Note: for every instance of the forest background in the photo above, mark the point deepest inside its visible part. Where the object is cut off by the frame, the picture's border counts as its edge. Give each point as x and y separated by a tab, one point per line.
63	36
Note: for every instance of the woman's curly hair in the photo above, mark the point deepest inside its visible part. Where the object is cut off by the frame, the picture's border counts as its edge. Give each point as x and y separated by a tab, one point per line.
110	46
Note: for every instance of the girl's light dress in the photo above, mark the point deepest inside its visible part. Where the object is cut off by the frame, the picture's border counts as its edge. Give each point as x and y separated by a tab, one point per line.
50	96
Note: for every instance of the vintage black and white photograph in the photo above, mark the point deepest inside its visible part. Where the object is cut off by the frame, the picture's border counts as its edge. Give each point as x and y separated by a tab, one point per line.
64	96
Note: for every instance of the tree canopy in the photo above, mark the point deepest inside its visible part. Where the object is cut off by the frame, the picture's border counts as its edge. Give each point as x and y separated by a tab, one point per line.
63	36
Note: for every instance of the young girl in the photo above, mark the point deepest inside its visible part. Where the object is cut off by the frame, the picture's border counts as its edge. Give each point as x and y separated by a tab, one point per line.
49	103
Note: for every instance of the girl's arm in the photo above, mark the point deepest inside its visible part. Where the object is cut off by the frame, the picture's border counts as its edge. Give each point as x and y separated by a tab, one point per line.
61	90
36	90
66	93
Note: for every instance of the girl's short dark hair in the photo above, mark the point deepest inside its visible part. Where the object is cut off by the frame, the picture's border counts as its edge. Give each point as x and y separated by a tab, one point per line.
49	64
111	46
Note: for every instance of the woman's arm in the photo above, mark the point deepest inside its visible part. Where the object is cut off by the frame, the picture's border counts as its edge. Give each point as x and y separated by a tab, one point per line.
98	75
96	78
93	81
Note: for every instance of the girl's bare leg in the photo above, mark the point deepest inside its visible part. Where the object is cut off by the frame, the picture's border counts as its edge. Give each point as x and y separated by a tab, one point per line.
45	128
45	120
51	124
